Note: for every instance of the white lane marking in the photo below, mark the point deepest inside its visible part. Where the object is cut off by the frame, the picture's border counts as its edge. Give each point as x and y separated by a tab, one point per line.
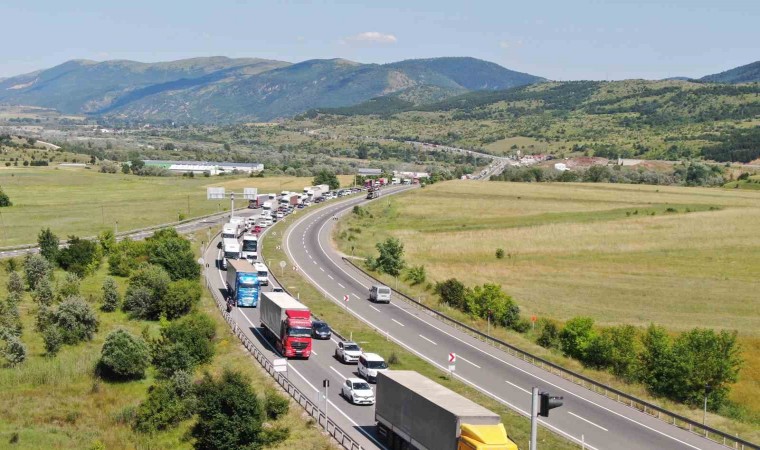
374	308
468	361
357	297
398	322
516	386
342	287
587	421
339	374
423	337
307	252
330	276
321	268
315	263
313	352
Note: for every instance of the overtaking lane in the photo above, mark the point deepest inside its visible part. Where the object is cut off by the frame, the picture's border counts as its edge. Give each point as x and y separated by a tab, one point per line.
604	423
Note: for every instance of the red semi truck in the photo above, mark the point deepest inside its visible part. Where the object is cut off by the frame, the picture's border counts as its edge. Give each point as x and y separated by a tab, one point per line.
287	322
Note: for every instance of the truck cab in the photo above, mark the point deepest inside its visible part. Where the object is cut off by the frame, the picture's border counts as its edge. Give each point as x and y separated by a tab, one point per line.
230	250
263	273
250	247
229	231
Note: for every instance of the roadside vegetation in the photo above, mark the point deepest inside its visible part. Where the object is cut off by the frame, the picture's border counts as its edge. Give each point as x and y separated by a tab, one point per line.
129	355
518	427
592	264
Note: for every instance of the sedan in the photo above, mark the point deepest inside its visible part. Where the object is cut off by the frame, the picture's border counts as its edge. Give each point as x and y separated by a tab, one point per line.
320	330
358	392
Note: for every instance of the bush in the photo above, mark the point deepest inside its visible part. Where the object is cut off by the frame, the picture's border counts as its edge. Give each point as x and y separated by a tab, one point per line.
125	257
490	301
452	292
35	269
53	340
576	337
196	332
11	348
80	256
416	275
48	243
139	303
172	357
124	356
549	337
275	405
111	296
173	252
390	260
147	288
43	294
499	253
5	201
10	318
522	325
107	241
76	320
15	283
180	298
167	404
69	287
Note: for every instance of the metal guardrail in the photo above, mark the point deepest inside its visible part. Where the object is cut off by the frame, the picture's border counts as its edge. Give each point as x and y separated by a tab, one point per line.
331	428
658	412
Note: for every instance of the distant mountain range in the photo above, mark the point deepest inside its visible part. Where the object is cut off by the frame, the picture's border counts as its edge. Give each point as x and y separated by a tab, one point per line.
742	74
220	89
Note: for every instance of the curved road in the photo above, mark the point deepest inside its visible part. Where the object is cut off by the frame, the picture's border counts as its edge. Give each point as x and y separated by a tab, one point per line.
601	422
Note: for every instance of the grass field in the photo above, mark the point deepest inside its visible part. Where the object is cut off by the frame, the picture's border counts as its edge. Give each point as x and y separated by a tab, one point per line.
57	402
84	202
679	257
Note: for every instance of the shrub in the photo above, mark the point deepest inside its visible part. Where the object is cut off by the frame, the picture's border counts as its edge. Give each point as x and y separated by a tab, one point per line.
521	325
576	337
107	241
80	256
390	260
76	320
549	337
196	332
275	405
499	253
36	268
166	405
139	303
69	287
48	243
452	292
12	349
10	318
124	356
416	275
15	283
111	296
180	297
5	201
147	287
173	252
172	357
53	340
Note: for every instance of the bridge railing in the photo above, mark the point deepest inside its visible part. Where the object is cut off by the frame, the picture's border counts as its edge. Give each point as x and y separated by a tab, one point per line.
658	412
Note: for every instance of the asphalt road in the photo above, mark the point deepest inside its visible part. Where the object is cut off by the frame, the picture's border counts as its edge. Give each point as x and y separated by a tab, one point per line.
586	416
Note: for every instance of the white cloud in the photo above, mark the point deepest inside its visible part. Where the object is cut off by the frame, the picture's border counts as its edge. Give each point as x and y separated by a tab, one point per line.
510	44
373	37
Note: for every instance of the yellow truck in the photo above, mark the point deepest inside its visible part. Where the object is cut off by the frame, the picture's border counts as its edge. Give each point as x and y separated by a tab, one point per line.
414	412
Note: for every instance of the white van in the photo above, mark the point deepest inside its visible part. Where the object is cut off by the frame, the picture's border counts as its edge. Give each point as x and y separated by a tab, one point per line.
250	247
229	231
263	273
230	250
380	294
370	364
267	206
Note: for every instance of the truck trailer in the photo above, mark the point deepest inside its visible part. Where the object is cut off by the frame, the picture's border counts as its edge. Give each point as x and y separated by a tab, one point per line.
287	322
414	412
242	283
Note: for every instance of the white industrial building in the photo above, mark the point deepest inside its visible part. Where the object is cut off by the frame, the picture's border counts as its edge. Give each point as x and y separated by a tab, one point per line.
201	167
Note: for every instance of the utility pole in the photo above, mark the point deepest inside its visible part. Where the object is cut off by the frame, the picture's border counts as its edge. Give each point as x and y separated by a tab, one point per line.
533	418
704	414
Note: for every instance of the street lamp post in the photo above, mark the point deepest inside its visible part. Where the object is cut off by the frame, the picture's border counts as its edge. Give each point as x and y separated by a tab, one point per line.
704	414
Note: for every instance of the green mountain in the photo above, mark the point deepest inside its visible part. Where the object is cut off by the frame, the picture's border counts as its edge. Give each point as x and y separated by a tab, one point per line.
227	90
83	86
743	74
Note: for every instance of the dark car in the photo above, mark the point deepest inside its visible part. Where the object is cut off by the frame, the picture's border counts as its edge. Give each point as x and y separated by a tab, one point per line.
320	330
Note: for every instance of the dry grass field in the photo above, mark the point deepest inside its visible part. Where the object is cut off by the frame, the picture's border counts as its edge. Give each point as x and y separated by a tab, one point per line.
83	202
675	256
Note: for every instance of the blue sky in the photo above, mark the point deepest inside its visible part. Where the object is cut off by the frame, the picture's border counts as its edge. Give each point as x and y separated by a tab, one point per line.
561	40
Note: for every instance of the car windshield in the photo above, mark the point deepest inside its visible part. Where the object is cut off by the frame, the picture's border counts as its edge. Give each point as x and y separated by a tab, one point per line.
321	327
262	273
299	332
231	255
384	291
351	347
248	284
362	386
249	246
377	365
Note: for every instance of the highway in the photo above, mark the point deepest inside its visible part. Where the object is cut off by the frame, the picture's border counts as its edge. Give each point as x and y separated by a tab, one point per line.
599	422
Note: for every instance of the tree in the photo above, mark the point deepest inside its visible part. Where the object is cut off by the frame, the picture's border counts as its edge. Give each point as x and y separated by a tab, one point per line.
43	294
10	318
107	241
69	287
111	296
136	165
326	177
76	320
549	337
576	337
147	287
171	357
196	332
125	168
230	415
124	356
11	348
168	403
624	351
391	259
597	174
174	253
655	360
490	300
15	283
80	256
4	199
36	268
48	243
452	292
180	298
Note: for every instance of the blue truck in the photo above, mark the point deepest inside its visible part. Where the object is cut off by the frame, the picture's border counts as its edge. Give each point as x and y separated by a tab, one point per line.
242	283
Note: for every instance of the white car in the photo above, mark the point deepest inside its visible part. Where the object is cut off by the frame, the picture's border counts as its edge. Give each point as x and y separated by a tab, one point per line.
357	391
348	352
263	224
280	215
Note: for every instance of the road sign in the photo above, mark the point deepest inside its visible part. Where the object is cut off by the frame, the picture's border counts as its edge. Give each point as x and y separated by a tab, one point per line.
345	298
532	318
280	365
452	367
250	193
214	193
283	264
452	358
